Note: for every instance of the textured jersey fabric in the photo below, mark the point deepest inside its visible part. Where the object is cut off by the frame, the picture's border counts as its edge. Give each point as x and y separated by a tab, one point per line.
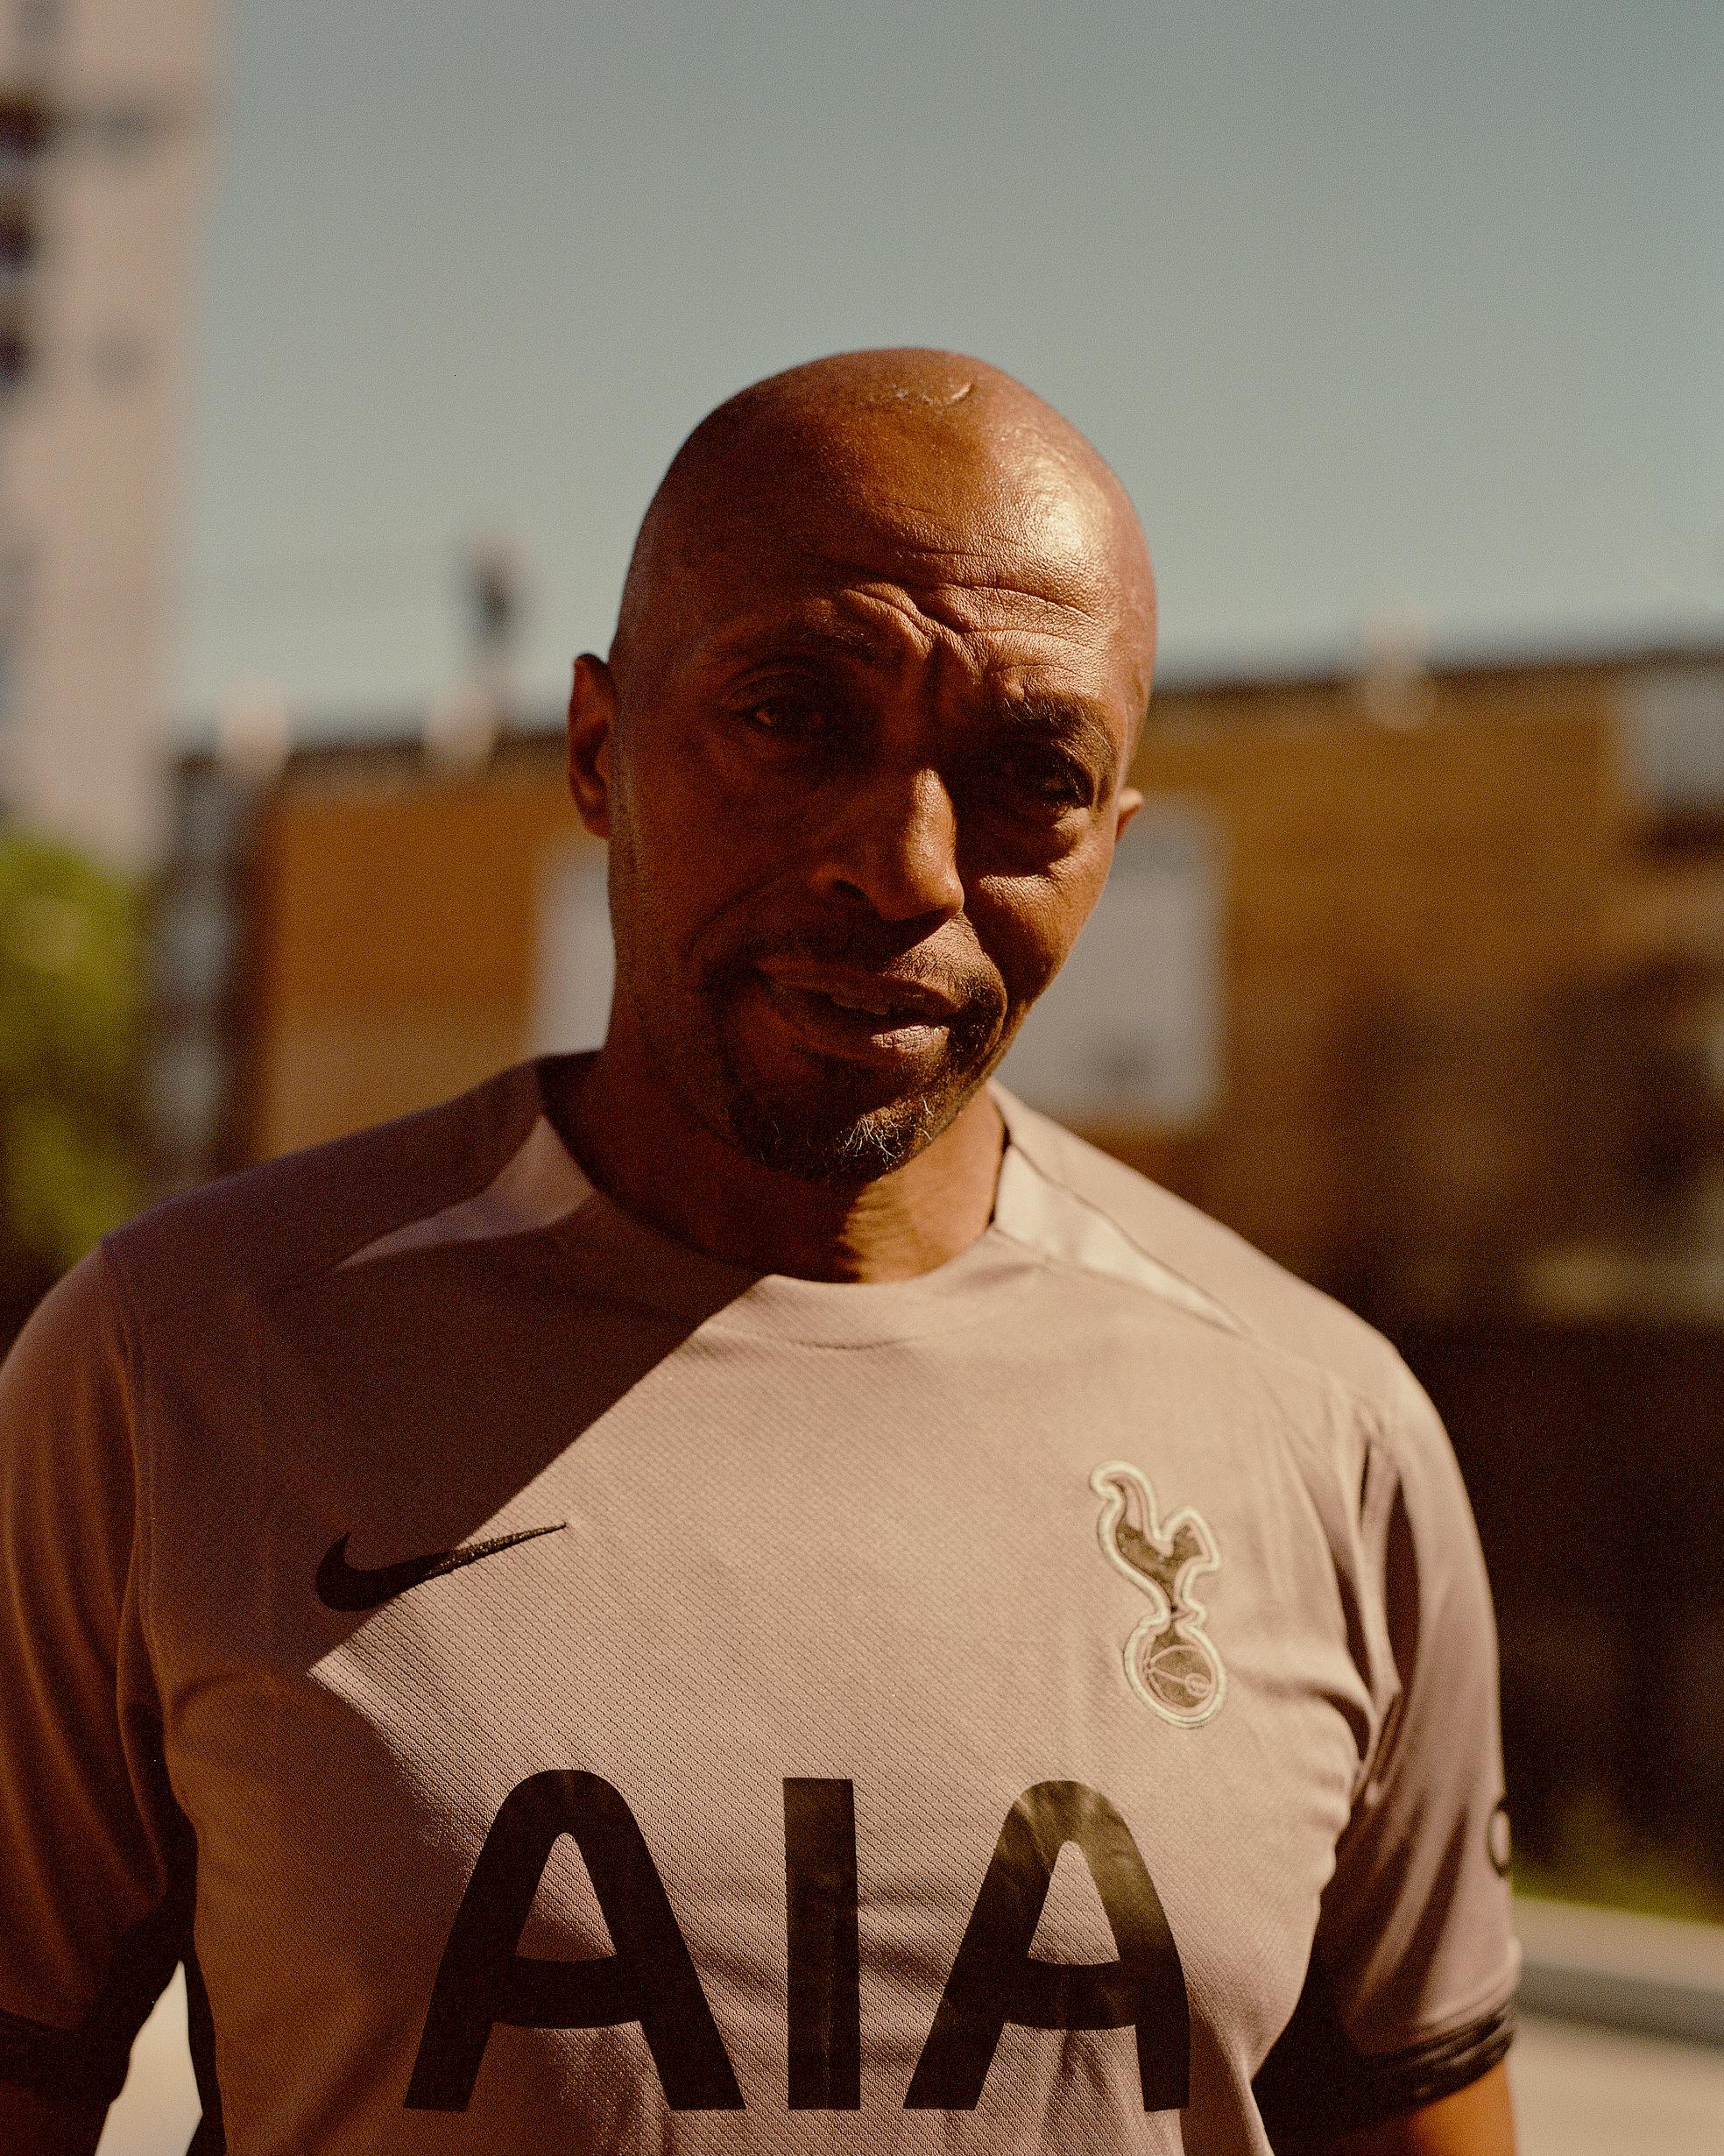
558	1691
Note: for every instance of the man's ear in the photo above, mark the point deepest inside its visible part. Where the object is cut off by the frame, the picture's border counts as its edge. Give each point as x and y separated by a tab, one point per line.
1130	801
592	720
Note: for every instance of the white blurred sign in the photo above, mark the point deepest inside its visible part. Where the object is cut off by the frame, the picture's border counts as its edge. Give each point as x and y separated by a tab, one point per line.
575	964
1675	718
1131	1031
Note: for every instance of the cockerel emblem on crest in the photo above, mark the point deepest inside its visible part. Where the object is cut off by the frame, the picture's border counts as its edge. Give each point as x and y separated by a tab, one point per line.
1171	1660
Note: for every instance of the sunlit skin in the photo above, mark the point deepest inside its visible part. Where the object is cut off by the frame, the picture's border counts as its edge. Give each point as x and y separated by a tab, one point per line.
864	732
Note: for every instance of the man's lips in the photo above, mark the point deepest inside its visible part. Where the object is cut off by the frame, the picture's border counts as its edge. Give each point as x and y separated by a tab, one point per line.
885	996
844	1011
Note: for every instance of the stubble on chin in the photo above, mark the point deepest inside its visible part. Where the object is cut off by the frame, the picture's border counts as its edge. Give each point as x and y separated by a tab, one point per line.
832	1127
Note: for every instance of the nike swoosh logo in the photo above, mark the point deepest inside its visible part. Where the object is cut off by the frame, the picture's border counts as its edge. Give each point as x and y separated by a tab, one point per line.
341	1585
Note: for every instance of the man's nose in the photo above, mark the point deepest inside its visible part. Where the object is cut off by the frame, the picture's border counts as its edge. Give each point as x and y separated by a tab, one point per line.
896	847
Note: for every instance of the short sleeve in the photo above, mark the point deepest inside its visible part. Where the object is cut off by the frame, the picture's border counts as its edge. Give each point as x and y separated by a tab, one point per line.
1410	1993
94	1885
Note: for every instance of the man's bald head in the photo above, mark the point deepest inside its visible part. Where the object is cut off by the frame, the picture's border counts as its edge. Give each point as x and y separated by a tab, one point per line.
926	452
860	751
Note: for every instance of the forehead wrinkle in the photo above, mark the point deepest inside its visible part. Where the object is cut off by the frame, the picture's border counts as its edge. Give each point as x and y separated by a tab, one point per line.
821	624
895	625
978	569
883	633
891	631
1064	555
800	635
949	600
1092	616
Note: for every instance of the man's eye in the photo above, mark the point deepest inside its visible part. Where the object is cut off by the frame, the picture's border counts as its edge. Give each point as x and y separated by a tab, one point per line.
786	718
1050	780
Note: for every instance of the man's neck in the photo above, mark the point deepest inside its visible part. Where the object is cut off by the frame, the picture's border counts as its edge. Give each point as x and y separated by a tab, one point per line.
645	1149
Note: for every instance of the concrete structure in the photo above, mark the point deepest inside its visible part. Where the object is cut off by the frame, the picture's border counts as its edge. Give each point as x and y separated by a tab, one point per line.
105	121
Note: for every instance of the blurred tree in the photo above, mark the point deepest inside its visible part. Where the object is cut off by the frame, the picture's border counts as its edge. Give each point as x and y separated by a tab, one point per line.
71	1008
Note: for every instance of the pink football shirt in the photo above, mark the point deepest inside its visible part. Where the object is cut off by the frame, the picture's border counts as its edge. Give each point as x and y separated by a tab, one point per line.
557	1690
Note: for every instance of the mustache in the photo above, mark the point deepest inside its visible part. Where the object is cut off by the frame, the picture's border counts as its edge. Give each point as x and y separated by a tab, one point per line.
976	990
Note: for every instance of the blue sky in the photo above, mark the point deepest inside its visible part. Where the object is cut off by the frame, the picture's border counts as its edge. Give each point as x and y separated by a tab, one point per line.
1371	307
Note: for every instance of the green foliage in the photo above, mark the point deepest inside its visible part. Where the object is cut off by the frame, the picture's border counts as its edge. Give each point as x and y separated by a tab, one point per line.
1597	1859
71	1008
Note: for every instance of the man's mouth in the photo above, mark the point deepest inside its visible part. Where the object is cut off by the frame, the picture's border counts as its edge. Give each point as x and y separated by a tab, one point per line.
887	996
843	1012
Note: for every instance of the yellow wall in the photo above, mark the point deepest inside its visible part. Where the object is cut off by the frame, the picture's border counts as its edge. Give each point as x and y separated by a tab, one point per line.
1404	911
394	942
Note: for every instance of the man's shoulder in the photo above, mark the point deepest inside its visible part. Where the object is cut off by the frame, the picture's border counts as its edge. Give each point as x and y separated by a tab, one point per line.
294	1216
1219	1268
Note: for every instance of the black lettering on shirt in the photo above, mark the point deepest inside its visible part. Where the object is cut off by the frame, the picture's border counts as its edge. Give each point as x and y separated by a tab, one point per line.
650	1978
824	1958
996	1980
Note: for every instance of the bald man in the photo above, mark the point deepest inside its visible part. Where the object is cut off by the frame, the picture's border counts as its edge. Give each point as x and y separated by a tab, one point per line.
745	1592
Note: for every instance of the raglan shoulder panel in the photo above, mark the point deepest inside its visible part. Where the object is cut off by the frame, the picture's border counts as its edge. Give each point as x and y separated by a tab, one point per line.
1262	1296
295	1216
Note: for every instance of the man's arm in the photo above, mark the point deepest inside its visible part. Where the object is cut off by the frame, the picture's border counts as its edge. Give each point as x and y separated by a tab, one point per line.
1407	2008
94	1857
34	2125
1478	2120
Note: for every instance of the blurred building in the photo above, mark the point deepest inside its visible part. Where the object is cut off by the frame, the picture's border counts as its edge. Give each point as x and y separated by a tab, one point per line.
105	114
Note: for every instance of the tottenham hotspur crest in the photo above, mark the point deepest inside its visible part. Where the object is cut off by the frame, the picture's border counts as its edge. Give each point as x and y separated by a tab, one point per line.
1169	1659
